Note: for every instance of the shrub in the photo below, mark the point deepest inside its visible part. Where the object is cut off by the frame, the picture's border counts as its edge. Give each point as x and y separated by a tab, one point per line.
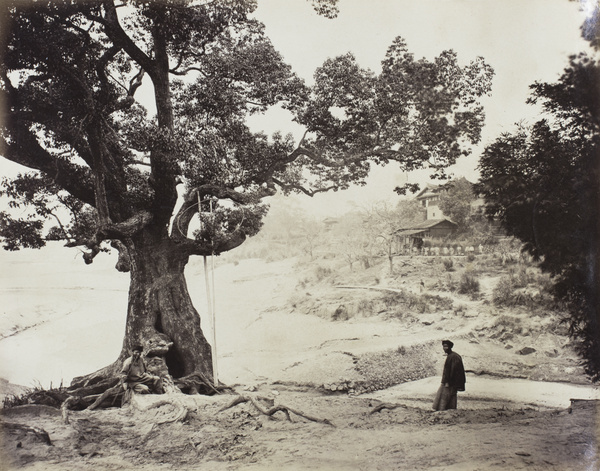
520	277
440	303
365	306
503	293
393	299
468	284
508	324
322	272
447	283
341	313
448	264
508	293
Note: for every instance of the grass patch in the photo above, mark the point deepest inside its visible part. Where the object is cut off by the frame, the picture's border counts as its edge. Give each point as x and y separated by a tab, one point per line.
385	369
397	304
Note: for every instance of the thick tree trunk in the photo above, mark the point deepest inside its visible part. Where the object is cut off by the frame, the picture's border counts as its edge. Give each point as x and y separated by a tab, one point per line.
160	312
160	305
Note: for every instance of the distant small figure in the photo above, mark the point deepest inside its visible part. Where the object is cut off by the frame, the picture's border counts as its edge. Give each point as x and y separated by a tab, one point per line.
135	376
453	379
418	243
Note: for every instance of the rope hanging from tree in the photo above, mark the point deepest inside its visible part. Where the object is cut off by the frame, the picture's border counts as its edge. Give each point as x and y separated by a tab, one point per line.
210	290
210	296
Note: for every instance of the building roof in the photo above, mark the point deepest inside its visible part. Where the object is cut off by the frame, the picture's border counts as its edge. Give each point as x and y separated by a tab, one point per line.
431	190
408	232
422	226
428	191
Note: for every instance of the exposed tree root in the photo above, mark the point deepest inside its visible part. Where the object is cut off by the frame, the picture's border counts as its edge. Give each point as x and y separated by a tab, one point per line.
386	405
196	383
104	387
90	380
179	416
115	392
66	405
97	388
172	394
39	433
109	392
273	409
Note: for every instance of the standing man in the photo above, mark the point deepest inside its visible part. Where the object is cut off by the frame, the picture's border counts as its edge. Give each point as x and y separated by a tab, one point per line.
135	377
453	379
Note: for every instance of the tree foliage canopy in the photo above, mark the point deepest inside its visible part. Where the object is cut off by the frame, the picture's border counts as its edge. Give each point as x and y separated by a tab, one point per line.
456	201
71	80
542	184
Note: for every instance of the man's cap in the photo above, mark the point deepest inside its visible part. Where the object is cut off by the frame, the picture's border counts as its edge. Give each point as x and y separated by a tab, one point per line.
137	348
448	342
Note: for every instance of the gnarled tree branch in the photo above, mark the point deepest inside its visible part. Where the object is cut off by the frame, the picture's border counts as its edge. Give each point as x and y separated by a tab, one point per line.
24	149
192	199
114	231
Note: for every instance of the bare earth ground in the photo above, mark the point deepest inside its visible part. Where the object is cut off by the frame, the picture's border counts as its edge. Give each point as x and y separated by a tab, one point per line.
277	341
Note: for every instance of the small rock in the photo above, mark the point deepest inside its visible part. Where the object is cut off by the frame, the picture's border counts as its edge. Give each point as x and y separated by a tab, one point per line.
90	450
527	351
341	313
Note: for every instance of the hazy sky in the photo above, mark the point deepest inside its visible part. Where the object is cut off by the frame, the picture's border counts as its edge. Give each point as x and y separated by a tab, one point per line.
523	40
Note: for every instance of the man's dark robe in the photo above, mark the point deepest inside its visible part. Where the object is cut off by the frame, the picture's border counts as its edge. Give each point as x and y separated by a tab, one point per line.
454	377
454	372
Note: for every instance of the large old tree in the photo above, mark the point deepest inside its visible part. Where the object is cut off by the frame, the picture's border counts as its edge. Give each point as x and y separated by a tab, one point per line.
112	174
